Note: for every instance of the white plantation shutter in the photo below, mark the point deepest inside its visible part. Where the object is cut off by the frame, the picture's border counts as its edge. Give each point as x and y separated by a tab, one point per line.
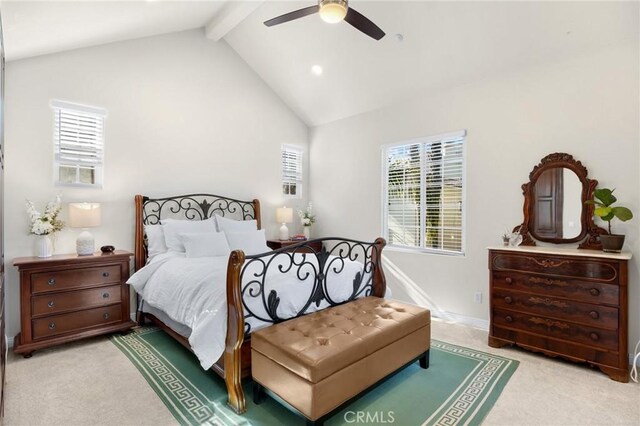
78	143
292	171
424	193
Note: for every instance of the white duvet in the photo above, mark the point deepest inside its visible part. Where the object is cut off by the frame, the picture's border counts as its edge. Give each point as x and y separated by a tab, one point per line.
192	291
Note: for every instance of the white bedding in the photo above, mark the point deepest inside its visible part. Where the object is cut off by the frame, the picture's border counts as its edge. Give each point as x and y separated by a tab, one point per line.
192	291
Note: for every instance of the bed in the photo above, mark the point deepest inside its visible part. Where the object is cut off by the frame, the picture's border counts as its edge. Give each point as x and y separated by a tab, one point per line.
255	290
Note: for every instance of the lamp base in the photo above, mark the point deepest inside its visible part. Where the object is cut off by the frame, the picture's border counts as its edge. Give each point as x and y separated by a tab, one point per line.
85	244
284	232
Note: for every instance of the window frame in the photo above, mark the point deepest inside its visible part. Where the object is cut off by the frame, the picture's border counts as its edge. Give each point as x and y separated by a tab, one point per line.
462	134
57	105
300	151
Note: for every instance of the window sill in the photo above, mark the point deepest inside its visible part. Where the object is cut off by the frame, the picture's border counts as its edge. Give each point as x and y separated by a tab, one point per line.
419	250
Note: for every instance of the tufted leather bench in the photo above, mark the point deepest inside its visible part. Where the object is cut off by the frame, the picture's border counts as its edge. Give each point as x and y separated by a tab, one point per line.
317	362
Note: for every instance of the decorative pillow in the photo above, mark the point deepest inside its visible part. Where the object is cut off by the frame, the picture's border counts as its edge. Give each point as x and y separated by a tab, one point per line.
155	241
205	244
230	225
251	242
173	227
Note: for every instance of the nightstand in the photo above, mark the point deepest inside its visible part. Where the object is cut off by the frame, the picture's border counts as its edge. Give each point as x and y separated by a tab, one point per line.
69	297
277	244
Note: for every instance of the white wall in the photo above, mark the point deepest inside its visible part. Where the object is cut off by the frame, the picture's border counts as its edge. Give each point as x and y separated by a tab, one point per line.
184	115
587	106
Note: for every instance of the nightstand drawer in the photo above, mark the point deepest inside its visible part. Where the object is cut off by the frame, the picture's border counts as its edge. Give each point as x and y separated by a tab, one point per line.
58	324
60	302
73	278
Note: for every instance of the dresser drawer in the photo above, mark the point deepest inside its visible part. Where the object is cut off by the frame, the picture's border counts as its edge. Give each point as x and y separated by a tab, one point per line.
68	301
559	329
600	270
583	313
63	323
73	278
579	290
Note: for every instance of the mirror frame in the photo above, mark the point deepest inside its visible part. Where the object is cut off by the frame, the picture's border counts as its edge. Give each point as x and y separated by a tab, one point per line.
590	232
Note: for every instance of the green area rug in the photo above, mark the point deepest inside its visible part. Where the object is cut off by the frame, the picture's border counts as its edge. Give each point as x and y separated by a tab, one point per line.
460	387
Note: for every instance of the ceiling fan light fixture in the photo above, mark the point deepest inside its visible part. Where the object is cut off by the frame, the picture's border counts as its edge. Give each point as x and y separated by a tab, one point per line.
333	11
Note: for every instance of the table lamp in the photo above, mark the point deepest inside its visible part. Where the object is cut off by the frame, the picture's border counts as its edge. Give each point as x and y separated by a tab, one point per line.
284	215
84	216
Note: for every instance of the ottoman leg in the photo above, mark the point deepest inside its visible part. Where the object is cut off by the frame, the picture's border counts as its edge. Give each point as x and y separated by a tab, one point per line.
258	393
424	360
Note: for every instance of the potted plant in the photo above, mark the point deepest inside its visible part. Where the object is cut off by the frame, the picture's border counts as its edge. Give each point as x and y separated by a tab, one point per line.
603	199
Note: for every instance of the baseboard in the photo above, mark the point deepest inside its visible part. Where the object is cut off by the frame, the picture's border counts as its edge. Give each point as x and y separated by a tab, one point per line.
463	319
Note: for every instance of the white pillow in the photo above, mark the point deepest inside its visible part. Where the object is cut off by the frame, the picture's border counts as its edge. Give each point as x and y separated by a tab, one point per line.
205	244
250	242
230	225
155	240
173	227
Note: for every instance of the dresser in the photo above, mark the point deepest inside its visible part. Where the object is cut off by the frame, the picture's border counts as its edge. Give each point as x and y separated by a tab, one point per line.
278	244
568	303
70	297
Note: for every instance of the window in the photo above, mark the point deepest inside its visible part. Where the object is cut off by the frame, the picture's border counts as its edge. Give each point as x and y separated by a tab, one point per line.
78	139
292	171
424	193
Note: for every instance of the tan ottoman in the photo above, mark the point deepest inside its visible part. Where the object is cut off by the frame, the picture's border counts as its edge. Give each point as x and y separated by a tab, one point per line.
317	362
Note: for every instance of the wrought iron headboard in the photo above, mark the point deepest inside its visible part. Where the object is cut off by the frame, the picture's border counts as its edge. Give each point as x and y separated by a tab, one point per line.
150	211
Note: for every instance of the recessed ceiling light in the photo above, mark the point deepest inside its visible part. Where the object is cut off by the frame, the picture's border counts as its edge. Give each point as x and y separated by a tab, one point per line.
316	70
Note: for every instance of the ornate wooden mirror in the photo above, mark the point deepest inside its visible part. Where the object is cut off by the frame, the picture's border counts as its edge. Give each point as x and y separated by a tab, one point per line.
554	204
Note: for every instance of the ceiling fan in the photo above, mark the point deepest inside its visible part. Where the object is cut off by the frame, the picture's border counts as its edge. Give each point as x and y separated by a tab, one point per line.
332	11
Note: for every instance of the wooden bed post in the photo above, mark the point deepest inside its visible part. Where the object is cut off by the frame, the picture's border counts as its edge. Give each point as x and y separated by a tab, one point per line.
235	333
256	212
139	258
379	281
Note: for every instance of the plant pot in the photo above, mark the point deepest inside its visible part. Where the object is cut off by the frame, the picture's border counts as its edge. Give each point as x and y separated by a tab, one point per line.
306	230
44	246
612	243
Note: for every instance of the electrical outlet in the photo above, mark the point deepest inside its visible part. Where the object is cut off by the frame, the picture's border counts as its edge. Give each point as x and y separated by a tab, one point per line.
478	297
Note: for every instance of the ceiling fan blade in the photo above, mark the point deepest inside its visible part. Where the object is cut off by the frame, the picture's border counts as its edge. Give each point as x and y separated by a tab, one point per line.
362	23
296	14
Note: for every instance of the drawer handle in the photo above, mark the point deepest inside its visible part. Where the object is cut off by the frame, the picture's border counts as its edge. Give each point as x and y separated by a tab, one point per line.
594	336
508	280
547	302
51	281
105	274
549	323
549	263
52	325
51	304
508	299
594	314
594	292
105	295
105	316
548	281
508	318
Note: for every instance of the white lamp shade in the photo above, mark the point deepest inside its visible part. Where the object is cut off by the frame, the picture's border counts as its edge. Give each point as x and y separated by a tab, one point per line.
84	215
284	215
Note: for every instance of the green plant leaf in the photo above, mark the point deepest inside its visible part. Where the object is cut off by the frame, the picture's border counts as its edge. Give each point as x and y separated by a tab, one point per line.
605	195
608	217
622	213
603	212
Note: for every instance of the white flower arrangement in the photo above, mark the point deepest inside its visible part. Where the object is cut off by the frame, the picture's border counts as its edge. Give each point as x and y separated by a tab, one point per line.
307	218
47	223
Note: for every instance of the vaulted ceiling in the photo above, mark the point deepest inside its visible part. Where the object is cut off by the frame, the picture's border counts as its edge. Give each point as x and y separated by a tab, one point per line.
429	45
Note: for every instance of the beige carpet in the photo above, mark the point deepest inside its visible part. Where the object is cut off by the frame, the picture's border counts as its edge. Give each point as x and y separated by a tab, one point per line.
92	383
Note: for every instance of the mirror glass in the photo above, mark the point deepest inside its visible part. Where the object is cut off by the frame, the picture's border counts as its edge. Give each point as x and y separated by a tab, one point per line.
557	204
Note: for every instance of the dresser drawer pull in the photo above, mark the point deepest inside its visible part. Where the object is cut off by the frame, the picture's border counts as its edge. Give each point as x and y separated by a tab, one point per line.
105	316
51	281
549	323
105	295
105	274
508	318
51	304
548	281
594	314
508	280
594	336
547	302
52	325
594	292
508	299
